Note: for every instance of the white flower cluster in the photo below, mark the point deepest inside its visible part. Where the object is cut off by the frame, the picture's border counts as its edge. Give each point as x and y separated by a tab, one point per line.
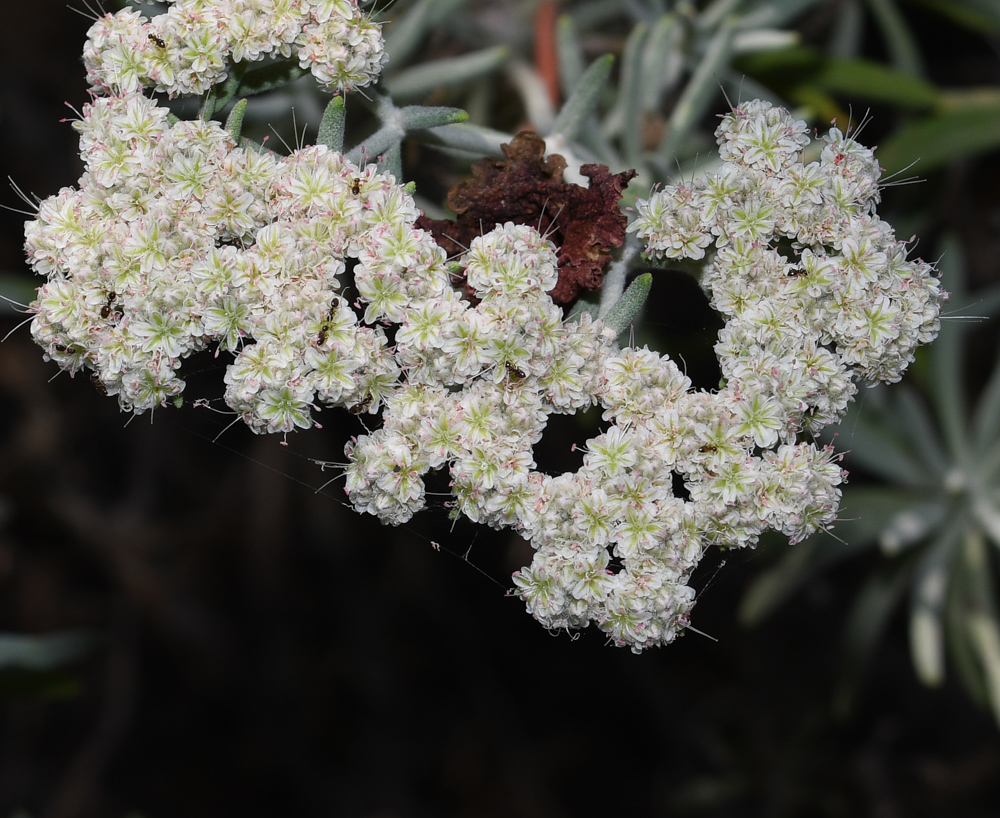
614	542
812	282
187	49
176	239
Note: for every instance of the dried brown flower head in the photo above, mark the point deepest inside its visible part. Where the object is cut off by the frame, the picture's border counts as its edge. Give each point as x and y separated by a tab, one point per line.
525	187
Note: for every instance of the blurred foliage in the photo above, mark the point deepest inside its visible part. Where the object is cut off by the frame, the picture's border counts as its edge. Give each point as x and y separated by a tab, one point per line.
933	514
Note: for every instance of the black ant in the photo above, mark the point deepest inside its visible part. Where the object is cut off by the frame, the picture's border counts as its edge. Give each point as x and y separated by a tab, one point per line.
325	328
106	309
358	408
356	185
514	375
95	379
157	41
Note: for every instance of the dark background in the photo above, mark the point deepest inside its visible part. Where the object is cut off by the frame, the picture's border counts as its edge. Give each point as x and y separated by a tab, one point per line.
260	649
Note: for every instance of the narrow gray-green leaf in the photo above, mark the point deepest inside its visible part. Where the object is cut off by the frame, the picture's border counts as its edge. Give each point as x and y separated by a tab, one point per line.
584	98
391	162
631	97
772	588
774	13
208	105
227	90
475	140
927	607
982	623
904	52
662	60
868	620
419	117
982	16
986	418
874	444
879	514
426	77
699	92
404	35
234	122
947	359
964	125
375	145
331	127
570	54
628	306
908	527
581	306
44	651
920	429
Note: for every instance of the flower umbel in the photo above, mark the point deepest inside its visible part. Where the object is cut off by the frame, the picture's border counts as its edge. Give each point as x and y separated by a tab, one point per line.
179	238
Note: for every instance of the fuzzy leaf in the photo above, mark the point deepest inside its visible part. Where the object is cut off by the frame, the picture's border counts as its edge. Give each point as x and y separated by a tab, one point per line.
271	75
331	127
927	607
583	100
965	124
418	117
466	138
628	306
234	122
428	76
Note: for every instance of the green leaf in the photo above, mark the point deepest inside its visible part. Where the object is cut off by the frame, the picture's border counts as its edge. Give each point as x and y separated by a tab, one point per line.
44	652
227	90
397	124
982	622
869	617
208	106
904	52
630	96
919	428
946	383
888	515
965	124
581	306
876	445
927	607
271	75
986	417
582	102
570	53
426	77
418	117
331	127
662	60
699	92
234	122
982	16
474	140
391	162
774	13
621	314
405	35
773	587
801	67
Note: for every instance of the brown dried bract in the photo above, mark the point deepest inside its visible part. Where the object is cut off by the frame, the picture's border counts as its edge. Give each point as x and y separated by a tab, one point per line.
584	223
